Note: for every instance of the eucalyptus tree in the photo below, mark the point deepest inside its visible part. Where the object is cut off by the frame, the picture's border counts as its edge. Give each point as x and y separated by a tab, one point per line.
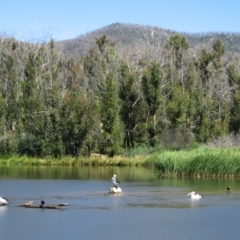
9	93
192	93
30	104
50	86
177	46
178	83
3	140
100	66
39	98
214	96
233	73
177	58
99	62
110	120
76	115
22	67
221	90
78	73
10	75
131	111
152	92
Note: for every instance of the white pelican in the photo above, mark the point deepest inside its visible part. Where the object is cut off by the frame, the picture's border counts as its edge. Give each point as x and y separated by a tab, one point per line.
115	181
4	201
194	195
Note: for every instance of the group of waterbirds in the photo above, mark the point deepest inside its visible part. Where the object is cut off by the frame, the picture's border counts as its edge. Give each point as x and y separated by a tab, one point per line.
5	201
116	185
197	196
193	194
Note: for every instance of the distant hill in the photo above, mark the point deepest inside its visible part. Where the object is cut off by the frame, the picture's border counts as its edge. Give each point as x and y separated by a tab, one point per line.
128	36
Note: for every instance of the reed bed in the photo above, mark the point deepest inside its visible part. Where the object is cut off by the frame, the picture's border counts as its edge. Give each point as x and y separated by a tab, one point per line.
200	162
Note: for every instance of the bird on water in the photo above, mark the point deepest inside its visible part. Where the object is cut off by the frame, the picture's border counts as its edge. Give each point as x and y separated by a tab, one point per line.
42	203
4	201
194	195
229	190
115	181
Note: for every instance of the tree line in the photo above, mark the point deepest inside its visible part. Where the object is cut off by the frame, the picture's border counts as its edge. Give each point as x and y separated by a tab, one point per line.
108	101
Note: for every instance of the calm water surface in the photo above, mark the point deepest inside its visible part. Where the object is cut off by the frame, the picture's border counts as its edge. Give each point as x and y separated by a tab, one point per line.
150	207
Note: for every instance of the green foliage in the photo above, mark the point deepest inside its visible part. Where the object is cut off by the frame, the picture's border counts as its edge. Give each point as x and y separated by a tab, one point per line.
177	46
109	109
76	119
177	139
130	110
151	85
102	42
8	146
151	88
110	116
29	145
3	107
177	107
109	100
199	162
234	80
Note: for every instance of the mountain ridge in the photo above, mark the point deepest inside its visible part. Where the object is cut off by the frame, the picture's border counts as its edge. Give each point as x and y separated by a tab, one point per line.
129	35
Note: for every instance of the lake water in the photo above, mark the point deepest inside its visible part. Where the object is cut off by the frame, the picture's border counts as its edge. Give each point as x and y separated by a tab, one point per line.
150	207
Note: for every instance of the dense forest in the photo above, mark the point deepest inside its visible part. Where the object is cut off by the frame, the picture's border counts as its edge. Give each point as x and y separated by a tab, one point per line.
107	101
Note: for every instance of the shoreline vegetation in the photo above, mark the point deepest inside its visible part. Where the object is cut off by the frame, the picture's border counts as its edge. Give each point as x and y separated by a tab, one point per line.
200	162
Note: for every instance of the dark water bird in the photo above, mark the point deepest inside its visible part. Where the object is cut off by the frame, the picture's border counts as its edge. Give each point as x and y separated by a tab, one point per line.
229	190
42	203
115	181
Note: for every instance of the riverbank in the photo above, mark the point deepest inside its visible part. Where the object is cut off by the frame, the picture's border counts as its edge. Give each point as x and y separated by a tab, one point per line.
200	162
96	160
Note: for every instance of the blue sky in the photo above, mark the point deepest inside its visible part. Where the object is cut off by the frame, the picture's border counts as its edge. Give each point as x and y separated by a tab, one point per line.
66	19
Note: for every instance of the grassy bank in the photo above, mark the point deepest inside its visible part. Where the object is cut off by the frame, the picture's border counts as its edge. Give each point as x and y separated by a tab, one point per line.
201	162
69	161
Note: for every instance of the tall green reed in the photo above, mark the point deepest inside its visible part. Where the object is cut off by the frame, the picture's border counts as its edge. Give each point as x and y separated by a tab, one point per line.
198	162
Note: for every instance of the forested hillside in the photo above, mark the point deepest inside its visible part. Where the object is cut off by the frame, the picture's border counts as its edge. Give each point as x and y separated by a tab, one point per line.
158	91
128	37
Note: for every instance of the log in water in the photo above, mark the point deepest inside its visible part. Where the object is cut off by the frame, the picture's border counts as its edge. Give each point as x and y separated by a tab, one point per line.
55	206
